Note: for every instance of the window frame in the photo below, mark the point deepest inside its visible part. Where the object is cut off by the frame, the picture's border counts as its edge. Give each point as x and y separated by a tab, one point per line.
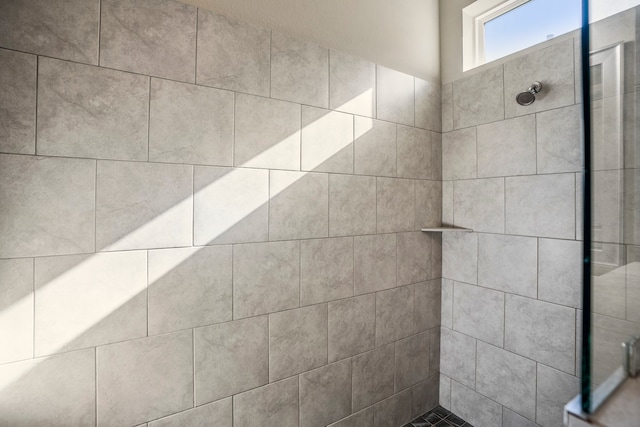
474	17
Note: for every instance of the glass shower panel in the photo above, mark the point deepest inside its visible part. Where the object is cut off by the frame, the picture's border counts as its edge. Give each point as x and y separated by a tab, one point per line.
615	198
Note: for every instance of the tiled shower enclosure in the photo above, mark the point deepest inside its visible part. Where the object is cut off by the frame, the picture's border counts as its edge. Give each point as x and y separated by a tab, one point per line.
206	221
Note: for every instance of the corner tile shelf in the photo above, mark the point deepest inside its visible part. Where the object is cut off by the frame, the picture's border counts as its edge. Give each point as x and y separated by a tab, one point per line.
446	230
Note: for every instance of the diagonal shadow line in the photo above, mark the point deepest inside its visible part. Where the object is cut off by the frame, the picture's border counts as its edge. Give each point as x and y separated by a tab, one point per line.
82	266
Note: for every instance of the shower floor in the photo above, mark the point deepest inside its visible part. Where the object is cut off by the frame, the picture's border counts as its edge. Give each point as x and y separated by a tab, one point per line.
439	417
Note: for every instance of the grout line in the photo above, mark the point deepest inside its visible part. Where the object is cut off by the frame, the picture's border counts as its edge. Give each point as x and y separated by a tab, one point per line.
95	391
193	354
195	70
193	205
149	121
35	130
95	209
233	130
233	250
33	326
99	30
147	289
270	62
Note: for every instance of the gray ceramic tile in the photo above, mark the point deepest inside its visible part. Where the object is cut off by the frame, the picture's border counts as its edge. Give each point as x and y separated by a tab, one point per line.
396	205
447	107
460	257
189	287
223	366
633	285
274	405
327	140
529	324
404	403
190	124
474	407
395	96
445	392
150	37
375	147
414	257
436	255
374	263
607	132
297	341
554	389
428	105
425	396
446	317
559	134
631	206
507	378
479	312
560	272
393	411
36	27
266	278
508	263
363	418
458	357
299	71
232	55
428	203
352	205
230	205
88	300
478	99
478	204
143	205
54	391
352	326
414	153
326	270
218	413
553	67
87	111
267	133
35	218
412	360
511	419
352	84
447	202
507	147
459	154
144	379
579	207
18	103
609	290
427	305
325	394
542	206
299	205
436	155
394	314
373	374
16	304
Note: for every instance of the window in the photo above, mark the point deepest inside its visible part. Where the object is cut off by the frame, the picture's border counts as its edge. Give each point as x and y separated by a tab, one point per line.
493	29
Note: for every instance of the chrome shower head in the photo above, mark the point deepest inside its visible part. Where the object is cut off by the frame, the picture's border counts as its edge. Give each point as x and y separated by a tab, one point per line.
529	96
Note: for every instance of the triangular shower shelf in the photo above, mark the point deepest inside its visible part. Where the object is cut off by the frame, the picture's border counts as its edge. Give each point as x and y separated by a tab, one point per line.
445	229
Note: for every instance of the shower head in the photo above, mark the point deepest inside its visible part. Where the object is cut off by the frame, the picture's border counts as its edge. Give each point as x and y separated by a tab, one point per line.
527	97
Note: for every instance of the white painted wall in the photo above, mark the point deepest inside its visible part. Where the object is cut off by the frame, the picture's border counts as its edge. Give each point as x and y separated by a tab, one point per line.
399	34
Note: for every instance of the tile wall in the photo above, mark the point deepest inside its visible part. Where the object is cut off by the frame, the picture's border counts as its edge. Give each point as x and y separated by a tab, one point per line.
511	290
203	220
